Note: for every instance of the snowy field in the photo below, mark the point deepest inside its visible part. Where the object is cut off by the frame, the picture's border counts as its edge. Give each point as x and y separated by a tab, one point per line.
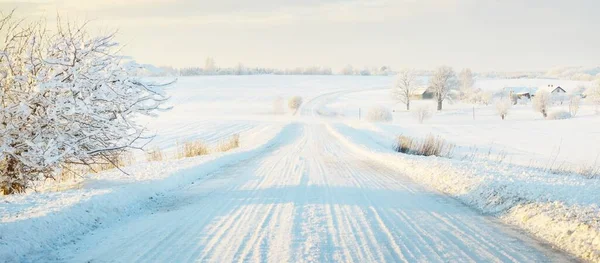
212	108
315	178
524	138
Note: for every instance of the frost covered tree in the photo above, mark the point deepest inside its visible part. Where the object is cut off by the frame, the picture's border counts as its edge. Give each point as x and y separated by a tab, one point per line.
466	84
210	66
593	94
406	83
67	98
502	107
574	103
347	70
442	81
541	102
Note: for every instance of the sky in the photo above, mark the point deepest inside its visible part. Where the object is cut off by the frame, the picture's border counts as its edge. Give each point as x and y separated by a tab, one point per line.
485	35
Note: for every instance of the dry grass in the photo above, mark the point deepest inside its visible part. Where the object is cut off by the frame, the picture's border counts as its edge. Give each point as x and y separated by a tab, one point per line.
430	146
155	155
229	144
114	161
191	149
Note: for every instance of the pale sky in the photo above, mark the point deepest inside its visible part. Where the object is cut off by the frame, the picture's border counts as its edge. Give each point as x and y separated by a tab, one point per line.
504	35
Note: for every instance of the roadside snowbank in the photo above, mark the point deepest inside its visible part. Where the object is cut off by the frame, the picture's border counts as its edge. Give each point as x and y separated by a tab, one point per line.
42	221
560	209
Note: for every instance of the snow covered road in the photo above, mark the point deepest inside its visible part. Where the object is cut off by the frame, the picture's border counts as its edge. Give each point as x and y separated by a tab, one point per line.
307	199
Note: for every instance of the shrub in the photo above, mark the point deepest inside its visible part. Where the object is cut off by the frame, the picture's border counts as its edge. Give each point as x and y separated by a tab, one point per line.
191	149
559	115
232	143
295	102
404	144
422	113
155	155
430	146
502	107
541	102
574	103
379	114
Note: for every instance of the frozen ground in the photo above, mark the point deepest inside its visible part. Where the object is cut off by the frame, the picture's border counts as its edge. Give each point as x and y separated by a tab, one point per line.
315	186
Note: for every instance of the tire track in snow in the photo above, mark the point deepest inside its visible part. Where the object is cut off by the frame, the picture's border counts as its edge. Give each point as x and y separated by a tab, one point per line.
310	199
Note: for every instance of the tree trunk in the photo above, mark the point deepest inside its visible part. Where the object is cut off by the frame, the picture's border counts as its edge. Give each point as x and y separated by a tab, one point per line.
439	106
13	185
407	105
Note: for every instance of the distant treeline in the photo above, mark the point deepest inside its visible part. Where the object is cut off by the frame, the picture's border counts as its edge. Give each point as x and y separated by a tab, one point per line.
199	71
210	68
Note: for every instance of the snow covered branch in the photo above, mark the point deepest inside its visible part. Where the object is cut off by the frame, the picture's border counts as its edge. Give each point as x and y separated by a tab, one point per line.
66	98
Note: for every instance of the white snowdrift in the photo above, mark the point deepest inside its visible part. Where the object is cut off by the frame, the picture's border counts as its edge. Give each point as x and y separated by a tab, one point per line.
560	209
43	221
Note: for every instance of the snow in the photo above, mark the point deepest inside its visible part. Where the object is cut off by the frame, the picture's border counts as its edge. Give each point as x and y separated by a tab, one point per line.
322	185
308	198
561	209
47	220
524	138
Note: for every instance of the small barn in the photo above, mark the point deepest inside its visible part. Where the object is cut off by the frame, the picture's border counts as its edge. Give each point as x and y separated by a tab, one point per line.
422	93
520	92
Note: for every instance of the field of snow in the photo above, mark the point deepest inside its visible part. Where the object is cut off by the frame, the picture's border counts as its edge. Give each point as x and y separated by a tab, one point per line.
524	138
320	185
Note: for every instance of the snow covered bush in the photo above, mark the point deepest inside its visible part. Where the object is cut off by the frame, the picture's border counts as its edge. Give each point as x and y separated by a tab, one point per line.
593	94
422	113
502	108
541	102
574	103
559	115
67	98
379	114
295	102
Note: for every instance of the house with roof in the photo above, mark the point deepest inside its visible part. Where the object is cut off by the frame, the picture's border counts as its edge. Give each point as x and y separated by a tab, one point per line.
553	89
422	93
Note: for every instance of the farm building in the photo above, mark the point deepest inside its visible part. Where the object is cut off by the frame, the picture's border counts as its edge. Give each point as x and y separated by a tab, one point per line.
422	93
520	92
553	89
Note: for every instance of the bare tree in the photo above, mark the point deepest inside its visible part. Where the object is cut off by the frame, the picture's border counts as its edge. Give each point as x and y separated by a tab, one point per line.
541	102
210	66
406	83
442	81
593	94
422	113
466	84
574	103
